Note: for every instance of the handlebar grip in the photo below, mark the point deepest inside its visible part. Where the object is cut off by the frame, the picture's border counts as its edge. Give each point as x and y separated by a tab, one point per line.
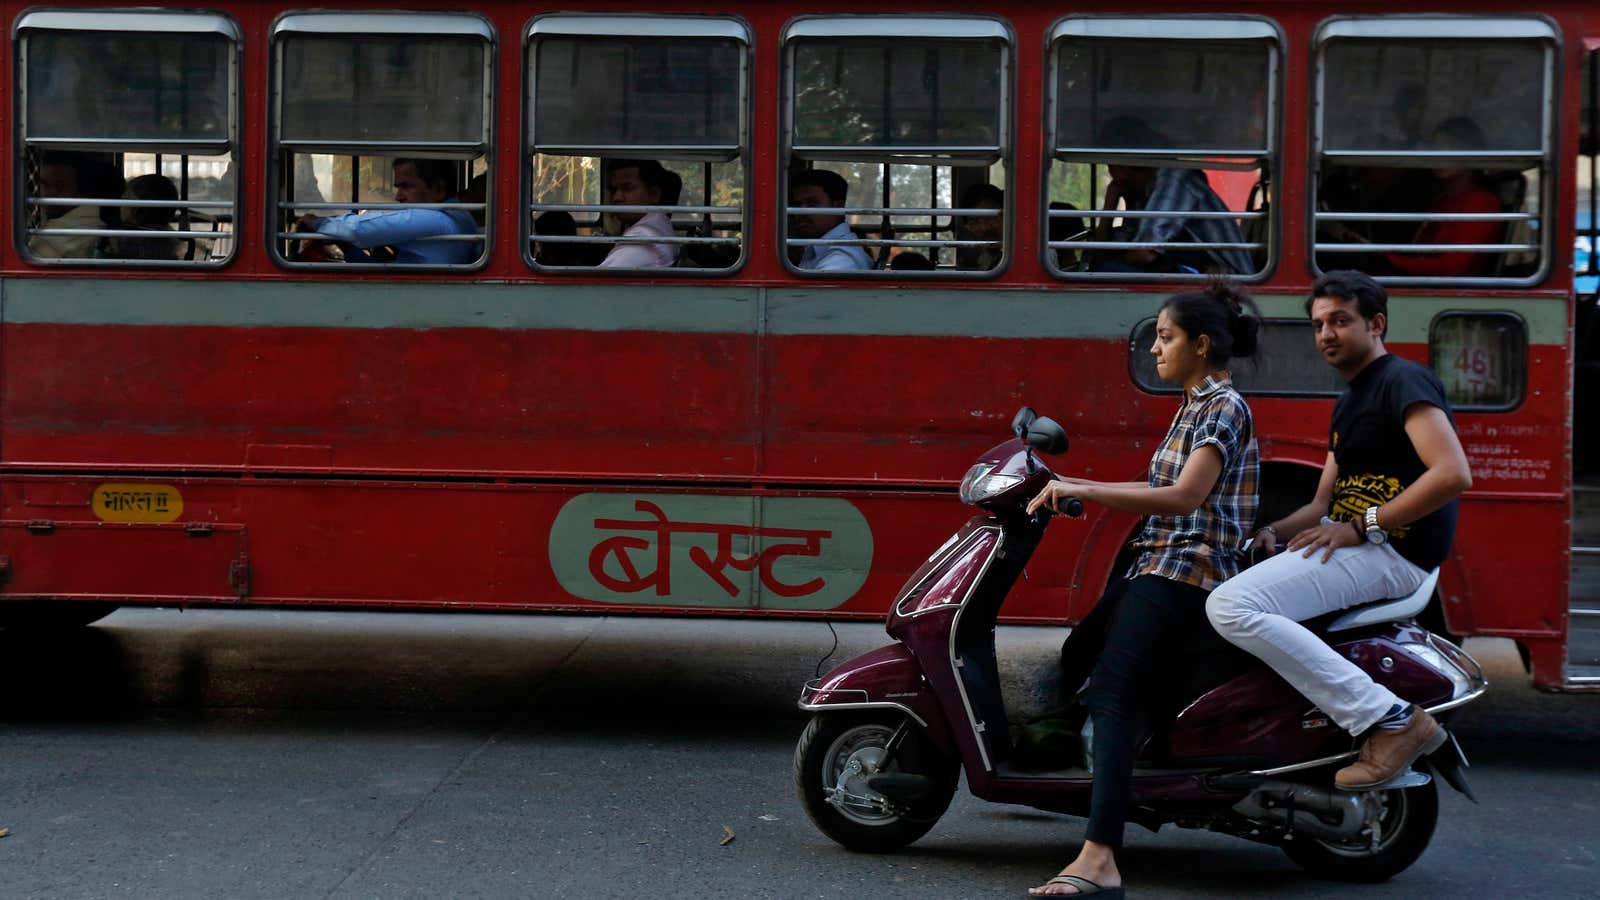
1073	507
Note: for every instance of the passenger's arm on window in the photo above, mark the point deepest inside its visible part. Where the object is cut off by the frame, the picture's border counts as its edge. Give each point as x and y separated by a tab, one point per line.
382	229
630	256
836	260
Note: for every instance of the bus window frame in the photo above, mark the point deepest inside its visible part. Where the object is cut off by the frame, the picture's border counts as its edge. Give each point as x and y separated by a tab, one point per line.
389	24
744	150
1175	27
1441	27
1004	152
1512	316
126	21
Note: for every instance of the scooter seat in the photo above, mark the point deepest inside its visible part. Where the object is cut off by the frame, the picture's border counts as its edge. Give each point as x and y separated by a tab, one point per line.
1408	607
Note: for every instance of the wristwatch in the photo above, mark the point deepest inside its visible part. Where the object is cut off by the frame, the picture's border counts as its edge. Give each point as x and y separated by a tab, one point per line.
1375	534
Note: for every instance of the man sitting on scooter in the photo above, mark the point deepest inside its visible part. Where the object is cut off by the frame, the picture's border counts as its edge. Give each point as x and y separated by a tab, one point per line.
1383	516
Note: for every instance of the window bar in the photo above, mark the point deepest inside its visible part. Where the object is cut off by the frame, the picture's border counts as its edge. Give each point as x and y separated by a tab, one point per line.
1593	112
1094	181
705	195
627	95
885	226
286	178
183	189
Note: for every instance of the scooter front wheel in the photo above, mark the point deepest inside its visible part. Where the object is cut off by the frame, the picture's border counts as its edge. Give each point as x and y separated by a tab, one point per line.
837	755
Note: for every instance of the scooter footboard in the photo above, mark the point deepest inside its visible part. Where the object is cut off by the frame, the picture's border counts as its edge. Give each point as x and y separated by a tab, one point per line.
886	678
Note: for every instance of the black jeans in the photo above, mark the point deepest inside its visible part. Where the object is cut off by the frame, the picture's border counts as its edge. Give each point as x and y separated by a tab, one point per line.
1123	647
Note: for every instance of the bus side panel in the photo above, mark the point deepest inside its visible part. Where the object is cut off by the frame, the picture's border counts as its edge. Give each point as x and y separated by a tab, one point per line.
641	548
502	401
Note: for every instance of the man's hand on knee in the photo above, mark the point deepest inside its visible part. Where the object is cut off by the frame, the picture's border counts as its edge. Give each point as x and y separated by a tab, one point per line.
1331	535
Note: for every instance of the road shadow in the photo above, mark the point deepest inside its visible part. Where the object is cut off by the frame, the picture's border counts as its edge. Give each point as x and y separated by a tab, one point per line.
361	670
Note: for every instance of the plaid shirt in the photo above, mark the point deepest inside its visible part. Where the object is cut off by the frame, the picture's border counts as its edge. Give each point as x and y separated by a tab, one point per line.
1202	548
1180	191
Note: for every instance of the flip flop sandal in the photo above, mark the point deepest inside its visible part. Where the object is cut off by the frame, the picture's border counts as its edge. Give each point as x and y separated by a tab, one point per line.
1085	888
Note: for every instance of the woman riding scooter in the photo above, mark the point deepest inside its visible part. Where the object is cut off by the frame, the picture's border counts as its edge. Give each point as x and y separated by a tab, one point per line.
1200	499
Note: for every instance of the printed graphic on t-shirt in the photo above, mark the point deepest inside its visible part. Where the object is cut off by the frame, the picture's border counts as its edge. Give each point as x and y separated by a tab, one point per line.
1353	494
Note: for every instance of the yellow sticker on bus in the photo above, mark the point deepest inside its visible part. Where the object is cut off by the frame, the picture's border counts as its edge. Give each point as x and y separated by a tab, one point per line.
137	503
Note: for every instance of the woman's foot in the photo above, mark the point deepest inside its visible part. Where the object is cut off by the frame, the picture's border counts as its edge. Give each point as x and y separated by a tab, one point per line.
1095	863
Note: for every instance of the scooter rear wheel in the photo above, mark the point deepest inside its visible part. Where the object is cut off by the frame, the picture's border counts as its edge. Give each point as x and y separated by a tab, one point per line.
836	755
1405	828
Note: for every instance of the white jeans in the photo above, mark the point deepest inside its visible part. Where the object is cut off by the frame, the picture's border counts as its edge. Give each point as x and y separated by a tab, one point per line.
1259	611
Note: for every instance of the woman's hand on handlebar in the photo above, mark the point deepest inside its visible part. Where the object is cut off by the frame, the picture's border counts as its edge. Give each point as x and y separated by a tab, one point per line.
1058	492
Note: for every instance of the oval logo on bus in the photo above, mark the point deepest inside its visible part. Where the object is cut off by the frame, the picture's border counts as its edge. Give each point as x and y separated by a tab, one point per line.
711	551
137	503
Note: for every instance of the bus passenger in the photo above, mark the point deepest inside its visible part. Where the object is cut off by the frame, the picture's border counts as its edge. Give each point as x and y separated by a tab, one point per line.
558	223
911	261
68	174
643	182
1199	500
1062	229
1384	514
1459	190
981	228
405	231
1178	191
820	189
149	219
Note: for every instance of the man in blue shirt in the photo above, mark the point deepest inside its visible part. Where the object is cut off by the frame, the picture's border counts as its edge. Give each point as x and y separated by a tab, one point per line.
404	230
817	189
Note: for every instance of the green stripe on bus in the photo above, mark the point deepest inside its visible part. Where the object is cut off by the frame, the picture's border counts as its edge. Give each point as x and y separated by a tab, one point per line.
373	304
910	312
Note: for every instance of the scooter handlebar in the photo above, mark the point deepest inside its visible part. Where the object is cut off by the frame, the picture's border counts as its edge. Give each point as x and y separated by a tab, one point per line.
1073	507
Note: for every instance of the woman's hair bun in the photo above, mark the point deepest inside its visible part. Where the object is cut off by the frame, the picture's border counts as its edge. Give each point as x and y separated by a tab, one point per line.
1224	313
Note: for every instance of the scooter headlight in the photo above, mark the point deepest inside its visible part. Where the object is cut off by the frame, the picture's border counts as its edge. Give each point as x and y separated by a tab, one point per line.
982	482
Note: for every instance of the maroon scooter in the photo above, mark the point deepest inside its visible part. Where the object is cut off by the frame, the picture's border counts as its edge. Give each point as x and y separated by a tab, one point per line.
1243	753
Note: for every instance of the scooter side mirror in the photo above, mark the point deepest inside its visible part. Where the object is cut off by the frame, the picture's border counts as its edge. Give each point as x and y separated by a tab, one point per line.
1046	435
1021	421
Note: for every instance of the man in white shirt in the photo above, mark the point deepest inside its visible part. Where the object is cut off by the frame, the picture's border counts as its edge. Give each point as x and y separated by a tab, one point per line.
820	188
75	175
642	182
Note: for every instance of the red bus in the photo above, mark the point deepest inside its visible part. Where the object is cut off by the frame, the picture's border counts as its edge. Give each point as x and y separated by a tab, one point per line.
204	403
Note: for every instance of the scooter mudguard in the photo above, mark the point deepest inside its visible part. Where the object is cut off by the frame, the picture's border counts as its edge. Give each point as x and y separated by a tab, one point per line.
888	678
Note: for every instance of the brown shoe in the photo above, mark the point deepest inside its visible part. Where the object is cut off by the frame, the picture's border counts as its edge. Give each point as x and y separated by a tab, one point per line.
1387	752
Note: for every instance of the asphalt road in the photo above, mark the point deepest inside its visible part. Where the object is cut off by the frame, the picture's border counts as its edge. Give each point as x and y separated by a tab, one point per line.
259	753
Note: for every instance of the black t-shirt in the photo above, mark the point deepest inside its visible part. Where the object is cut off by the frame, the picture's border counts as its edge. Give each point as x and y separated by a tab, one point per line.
1375	456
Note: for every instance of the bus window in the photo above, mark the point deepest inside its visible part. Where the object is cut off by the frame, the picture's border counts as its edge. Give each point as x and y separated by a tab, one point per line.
128	129
897	132
637	134
1163	147
1431	140
379	135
